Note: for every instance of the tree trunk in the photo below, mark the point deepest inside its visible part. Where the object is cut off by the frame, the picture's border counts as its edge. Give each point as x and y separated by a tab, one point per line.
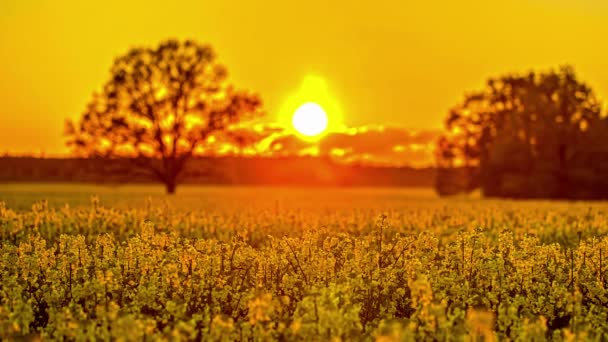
171	185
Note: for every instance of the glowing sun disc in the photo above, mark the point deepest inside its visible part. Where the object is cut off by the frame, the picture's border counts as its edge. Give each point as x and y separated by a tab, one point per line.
309	119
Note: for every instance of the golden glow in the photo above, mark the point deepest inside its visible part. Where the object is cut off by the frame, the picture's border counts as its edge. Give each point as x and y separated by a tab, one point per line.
309	151
310	119
401	63
313	91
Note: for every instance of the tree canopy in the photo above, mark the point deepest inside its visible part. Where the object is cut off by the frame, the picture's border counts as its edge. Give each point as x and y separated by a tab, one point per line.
159	107
531	135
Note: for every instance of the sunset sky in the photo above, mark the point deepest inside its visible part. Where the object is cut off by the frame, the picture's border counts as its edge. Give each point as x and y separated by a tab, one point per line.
397	64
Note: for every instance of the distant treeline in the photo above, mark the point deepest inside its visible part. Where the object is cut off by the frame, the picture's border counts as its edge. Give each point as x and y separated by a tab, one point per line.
299	171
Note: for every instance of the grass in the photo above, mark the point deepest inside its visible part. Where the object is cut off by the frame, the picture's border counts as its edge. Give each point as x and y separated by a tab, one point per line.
194	197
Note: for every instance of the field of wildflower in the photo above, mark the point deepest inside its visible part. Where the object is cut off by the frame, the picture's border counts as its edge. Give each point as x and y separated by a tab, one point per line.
259	264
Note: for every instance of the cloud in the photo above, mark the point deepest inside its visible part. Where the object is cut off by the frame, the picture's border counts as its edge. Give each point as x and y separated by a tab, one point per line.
376	145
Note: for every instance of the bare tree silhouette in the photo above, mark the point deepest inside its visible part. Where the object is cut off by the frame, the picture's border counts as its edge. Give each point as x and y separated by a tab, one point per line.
158	107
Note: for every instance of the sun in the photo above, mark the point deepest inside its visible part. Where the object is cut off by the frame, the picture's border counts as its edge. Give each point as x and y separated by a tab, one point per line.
309	119
311	111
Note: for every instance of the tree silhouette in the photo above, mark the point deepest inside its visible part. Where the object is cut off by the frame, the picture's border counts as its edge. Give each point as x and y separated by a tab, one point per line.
159	106
530	135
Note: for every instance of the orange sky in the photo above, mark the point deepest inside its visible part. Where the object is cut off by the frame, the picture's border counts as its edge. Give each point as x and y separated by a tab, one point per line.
396	63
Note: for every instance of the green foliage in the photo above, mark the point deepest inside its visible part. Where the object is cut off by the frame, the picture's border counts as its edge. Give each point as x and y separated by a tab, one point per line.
489	271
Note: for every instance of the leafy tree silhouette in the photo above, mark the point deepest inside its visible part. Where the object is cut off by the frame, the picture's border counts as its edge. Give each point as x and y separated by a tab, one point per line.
158	107
531	135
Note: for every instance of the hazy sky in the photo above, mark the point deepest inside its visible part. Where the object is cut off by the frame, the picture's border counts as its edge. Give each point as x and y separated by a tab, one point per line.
399	63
